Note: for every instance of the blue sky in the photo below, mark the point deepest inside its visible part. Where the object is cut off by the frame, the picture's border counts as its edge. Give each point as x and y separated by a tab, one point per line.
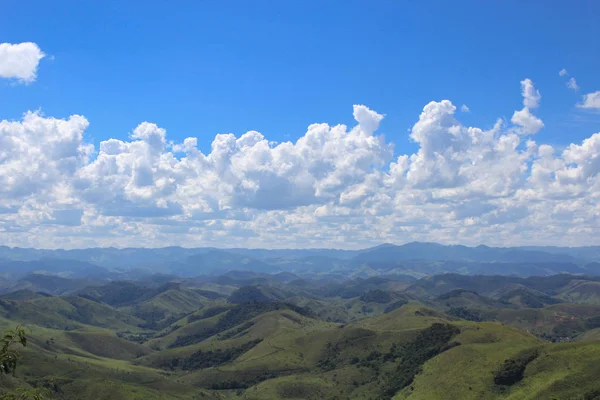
108	111
207	67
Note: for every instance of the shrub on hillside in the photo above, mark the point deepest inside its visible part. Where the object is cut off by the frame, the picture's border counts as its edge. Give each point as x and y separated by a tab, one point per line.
211	358
394	306
211	312
429	343
464	313
376	296
235	316
512	370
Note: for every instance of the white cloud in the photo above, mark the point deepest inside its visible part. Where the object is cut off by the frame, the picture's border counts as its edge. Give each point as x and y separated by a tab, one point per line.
336	185
527	122
572	84
531	96
590	101
20	61
524	119
38	154
465	108
582	160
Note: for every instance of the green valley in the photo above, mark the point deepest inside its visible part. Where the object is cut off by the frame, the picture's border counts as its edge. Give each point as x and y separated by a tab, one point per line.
248	335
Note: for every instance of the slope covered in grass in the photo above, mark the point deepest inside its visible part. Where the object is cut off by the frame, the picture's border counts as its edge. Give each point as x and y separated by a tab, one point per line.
67	313
562	371
167	306
581	292
299	339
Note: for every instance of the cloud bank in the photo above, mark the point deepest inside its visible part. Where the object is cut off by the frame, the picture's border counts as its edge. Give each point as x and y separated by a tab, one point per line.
336	186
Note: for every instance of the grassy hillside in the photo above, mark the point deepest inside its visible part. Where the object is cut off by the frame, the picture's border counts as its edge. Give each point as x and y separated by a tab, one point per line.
438	338
166	307
467	370
67	313
565	371
524	297
581	292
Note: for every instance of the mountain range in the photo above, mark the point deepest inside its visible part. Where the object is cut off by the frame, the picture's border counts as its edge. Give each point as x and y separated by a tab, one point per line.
417	321
247	334
414	259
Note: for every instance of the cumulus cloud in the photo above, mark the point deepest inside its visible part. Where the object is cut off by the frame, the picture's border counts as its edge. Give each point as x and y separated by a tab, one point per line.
563	72
38	154
527	122
20	61
590	101
340	186
531	96
465	108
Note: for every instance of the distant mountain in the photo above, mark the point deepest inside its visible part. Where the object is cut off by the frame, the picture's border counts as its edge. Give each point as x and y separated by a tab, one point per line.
528	298
290	254
105	257
415	259
438	252
65	267
129	257
493	285
258	293
469	299
285	277
24	294
583	253
115	294
49	284
219	261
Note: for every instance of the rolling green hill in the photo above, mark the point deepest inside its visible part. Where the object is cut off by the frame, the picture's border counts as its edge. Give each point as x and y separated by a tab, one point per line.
529	298
581	292
436	338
